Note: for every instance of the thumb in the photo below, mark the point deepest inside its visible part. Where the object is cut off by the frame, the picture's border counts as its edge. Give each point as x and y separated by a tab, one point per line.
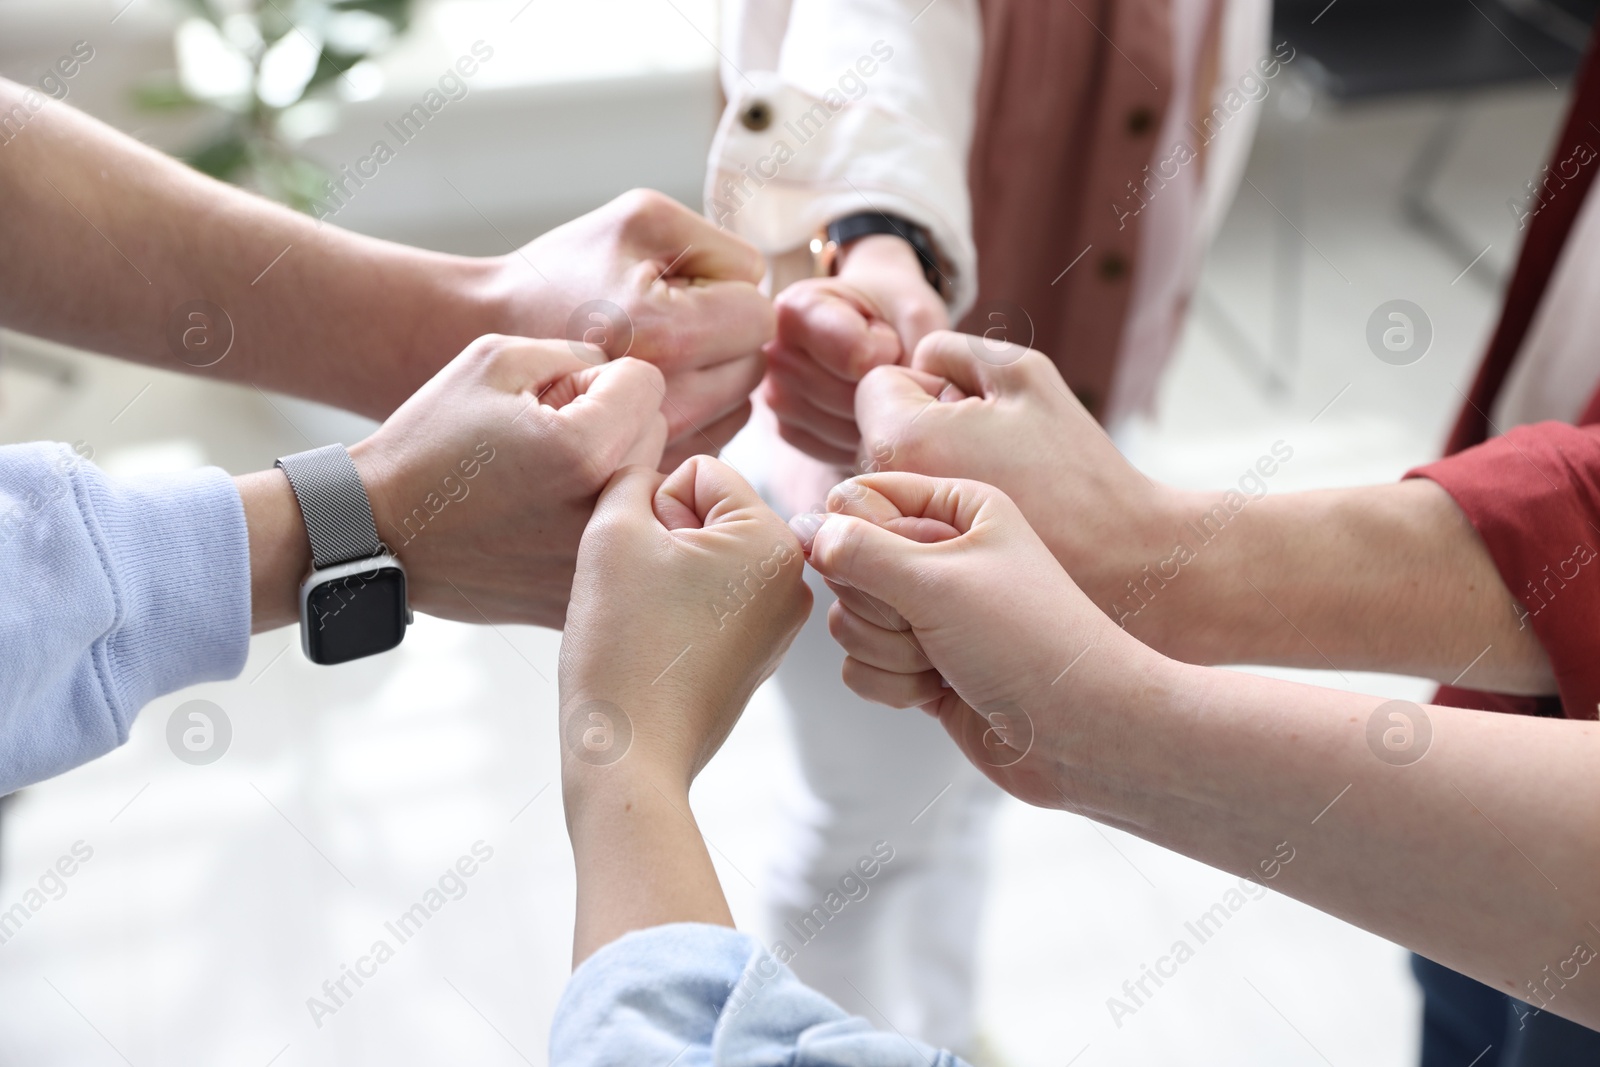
879	562
978	366
703	492
887	531
879	537
837	326
617	407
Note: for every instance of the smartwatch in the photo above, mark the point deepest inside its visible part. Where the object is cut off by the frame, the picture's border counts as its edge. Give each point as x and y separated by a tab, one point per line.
841	232
353	603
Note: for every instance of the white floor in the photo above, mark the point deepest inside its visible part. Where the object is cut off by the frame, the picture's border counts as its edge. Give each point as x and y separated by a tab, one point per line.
219	898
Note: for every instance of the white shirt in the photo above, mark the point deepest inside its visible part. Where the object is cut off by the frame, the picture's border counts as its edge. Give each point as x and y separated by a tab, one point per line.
870	107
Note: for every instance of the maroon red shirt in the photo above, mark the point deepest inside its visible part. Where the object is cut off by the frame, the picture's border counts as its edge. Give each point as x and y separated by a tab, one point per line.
1533	495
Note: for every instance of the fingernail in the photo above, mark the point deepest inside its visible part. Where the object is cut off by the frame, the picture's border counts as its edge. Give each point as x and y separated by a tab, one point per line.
805	527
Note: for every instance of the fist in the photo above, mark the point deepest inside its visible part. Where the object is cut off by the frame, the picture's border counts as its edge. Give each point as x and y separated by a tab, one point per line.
483	481
1006	418
832	331
689	589
646	277
949	602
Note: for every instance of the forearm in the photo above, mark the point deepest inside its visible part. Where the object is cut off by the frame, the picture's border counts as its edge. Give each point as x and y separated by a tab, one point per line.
640	858
1480	855
107	239
1384	578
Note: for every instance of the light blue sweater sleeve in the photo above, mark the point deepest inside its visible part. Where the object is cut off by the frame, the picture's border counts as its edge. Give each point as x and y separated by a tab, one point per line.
694	995
112	592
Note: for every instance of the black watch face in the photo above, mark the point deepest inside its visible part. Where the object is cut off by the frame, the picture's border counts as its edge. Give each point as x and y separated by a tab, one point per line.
357	615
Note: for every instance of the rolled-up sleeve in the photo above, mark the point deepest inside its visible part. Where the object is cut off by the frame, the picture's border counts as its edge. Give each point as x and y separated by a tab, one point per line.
837	107
1533	495
115	592
693	994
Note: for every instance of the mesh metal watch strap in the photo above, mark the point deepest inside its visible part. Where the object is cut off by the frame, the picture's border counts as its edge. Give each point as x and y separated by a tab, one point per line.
334	504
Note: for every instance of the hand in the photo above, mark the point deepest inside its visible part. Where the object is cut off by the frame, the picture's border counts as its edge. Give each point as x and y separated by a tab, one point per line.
1002	415
948	601
646	277
688	591
832	331
483	481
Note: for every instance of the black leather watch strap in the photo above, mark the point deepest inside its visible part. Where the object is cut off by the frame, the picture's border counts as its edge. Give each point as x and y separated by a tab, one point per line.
869	223
334	505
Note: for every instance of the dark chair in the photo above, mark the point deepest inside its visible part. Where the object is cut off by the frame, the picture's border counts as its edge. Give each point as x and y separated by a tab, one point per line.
1357	51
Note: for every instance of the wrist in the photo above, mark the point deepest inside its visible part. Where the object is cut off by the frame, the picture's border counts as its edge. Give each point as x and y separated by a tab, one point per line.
640	860
379	478
1139	570
601	801
491	294
589	785
1109	723
412	312
871	260
280	553
1190	553
458	300
881	252
887	269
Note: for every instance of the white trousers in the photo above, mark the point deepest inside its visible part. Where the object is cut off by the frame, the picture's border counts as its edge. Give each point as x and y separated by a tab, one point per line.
905	953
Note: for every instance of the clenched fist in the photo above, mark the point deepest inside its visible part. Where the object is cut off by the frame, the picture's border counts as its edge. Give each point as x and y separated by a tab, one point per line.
948	601
689	590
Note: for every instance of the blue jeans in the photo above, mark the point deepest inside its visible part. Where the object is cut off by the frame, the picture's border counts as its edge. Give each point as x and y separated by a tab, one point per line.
1467	1024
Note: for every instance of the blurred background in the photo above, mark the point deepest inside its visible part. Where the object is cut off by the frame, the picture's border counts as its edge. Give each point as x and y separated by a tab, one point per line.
220	897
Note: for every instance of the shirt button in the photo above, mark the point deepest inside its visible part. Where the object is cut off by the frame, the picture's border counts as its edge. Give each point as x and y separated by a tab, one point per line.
1141	120
758	116
1112	266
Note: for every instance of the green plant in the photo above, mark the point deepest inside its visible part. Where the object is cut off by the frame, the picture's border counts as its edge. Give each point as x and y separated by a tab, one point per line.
273	71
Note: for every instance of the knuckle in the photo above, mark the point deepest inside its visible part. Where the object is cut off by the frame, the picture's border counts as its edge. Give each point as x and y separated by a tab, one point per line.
792	313
860	357
799	295
644	206
486	348
663	337
645	372
786	396
841	625
1035	364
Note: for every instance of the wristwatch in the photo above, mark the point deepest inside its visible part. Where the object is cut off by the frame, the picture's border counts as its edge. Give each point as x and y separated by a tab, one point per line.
353	603
841	232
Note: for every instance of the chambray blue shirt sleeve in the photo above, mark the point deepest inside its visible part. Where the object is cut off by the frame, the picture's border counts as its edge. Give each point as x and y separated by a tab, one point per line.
112	592
695	995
